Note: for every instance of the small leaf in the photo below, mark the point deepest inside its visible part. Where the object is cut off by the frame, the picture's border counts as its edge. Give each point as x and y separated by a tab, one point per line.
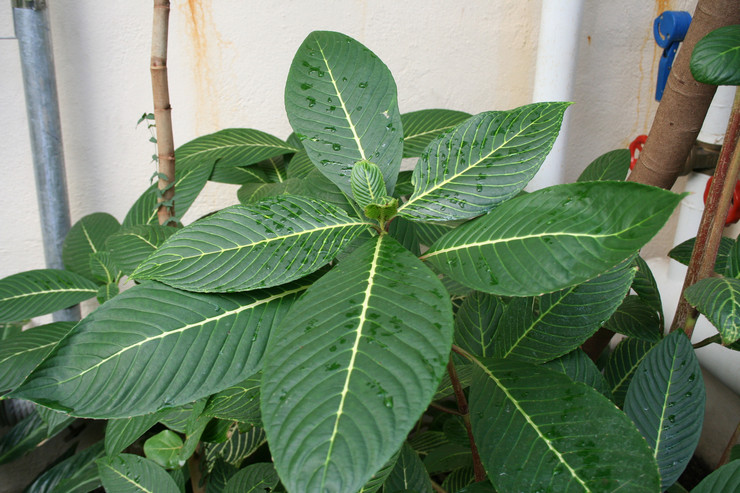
718	299
237	448
448	457
421	127
157	347
483	161
459	479
646	287
634	318
126	473
132	245
614	165
21	353
408	473
164	449
107	291
377	329
682	253
552	238
476	322
38	292
367	184
716	57
260	477
537	430
86	237
102	268
341	101
622	364
666	401
246	247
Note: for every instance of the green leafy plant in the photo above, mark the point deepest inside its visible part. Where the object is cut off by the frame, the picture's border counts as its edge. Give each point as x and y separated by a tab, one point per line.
350	326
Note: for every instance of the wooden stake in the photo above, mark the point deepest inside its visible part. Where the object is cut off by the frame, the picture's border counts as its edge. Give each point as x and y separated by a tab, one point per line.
163	111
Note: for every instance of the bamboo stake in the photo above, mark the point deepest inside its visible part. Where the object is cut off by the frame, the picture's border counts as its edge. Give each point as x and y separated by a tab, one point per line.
712	220
163	112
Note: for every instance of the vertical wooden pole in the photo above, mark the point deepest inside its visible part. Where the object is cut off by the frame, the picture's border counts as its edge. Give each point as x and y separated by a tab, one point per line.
163	111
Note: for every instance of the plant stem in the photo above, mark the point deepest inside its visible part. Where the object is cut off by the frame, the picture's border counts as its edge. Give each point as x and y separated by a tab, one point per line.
438	488
709	340
194	469
163	110
445	409
726	454
712	220
462	406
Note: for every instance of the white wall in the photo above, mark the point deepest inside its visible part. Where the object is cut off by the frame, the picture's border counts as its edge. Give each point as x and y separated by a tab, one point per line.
228	61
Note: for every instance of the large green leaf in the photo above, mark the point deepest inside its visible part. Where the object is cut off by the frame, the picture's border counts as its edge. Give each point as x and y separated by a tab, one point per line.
726	478
408	474
157	347
646	287
622	364
190	178
634	318
537	430
251	193
240	402
482	162
132	245
341	101
300	165
614	165
23	437
38	292
476	322
553	238
77	474
579	367
255	478
230	148
716	57
666	401
86	237
21	353
719	300
359	355
545	328
251	246
422	127
126	473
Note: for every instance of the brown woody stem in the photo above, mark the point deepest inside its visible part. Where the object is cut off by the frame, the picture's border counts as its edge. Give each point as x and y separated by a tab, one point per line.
462	406
726	454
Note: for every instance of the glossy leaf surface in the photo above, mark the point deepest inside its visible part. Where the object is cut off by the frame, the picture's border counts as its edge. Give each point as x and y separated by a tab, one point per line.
726	478
21	353
476	322
537	430
38	292
87	236
622	365
483	161
634	318
126	473
255	478
359	355
367	184
666	401
240	402
132	245
164	449
77	474
246	247
408	473
579	367
157	347
341	101
547	327
552	238
422	127
716	57
682	253
718	299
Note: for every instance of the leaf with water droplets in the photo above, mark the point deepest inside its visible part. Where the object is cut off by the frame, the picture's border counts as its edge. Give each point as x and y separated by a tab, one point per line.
341	101
374	334
718	299
666	401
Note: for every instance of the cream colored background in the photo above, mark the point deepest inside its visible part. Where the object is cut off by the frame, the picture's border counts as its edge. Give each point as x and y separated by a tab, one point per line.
228	61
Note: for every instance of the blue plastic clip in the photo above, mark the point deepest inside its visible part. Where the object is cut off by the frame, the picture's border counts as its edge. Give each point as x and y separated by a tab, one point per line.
669	30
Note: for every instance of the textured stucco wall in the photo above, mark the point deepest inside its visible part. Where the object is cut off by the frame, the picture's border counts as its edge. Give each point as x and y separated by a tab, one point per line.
228	62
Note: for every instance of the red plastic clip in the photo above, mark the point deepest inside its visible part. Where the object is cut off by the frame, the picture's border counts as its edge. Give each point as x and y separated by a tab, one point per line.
733	215
636	148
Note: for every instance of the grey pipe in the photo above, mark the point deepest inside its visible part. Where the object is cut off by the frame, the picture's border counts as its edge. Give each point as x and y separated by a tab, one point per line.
31	21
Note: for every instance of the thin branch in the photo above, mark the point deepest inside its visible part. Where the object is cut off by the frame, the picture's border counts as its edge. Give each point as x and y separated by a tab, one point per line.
733	440
716	338
438	488
462	406
163	111
445	409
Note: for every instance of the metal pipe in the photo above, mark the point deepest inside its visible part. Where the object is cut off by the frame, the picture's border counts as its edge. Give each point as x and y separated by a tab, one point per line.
31	21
